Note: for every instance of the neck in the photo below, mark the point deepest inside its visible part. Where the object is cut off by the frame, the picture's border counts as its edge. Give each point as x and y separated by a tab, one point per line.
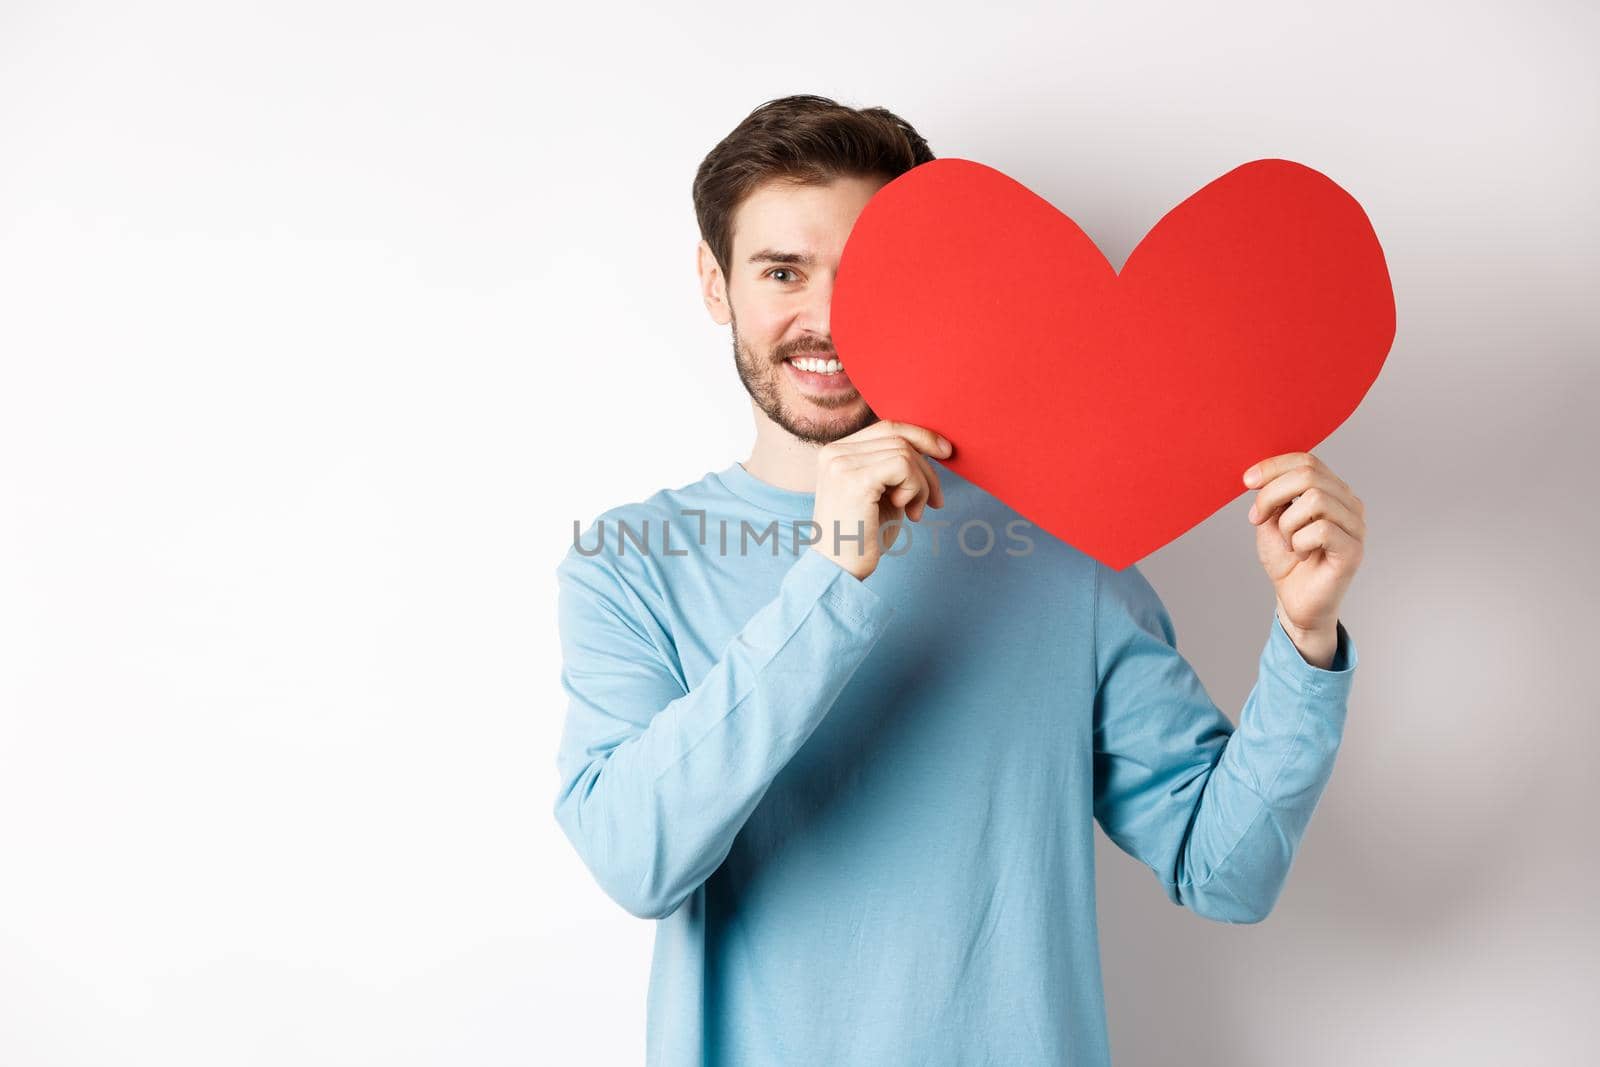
780	458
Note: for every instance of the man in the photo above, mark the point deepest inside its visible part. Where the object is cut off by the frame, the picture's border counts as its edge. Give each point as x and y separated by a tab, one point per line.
851	766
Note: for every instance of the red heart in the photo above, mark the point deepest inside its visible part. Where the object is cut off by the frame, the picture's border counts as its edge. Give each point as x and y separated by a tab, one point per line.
1116	411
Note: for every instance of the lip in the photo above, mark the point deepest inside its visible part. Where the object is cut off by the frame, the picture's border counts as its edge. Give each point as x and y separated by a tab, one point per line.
819	382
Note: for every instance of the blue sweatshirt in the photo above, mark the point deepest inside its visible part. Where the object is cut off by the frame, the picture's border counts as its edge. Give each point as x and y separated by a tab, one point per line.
861	812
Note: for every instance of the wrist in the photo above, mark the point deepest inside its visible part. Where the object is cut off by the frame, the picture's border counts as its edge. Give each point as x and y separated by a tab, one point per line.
858	572
1316	646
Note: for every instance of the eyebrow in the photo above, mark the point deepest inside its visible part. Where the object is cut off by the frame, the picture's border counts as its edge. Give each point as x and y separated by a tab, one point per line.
769	255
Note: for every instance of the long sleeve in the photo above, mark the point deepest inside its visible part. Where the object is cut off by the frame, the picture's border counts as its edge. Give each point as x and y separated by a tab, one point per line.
657	778
1217	813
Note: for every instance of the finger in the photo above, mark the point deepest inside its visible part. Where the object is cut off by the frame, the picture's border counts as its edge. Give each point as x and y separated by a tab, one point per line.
892	447
886	471
1328	536
923	438
1292	483
913	490
1317	503
1271	467
936	488
935	497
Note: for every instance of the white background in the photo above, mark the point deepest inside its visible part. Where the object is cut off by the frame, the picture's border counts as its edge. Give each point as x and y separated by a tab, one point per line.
321	322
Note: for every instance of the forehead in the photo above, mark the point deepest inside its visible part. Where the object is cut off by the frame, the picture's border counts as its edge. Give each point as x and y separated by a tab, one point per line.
780	215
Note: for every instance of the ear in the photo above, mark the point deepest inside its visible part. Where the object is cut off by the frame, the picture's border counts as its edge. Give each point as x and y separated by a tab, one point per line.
713	286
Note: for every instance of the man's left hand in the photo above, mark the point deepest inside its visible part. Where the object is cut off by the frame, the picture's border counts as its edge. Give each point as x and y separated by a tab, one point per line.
1309	533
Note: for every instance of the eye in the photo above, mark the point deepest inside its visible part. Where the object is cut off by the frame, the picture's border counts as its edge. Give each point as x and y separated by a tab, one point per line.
775	271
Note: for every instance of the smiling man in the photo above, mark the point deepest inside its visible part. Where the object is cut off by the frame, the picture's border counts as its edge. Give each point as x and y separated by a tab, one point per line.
791	371
849	755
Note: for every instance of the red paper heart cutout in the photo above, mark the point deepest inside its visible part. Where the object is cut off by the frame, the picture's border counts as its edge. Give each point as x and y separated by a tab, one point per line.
1116	411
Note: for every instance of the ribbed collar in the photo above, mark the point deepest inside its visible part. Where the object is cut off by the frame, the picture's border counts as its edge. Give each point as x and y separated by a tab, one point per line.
764	495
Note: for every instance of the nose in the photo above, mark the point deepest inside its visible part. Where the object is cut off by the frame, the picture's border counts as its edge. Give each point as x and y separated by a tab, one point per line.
814	317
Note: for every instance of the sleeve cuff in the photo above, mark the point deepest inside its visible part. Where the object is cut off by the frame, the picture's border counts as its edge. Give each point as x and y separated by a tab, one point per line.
816	575
1332	680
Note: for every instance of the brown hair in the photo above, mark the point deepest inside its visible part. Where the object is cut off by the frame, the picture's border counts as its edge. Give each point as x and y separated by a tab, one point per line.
809	140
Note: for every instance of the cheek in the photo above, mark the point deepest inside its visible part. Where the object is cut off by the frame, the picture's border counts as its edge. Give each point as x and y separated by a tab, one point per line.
763	336
763	320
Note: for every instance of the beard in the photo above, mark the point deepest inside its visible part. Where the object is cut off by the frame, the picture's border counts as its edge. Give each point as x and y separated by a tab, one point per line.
761	381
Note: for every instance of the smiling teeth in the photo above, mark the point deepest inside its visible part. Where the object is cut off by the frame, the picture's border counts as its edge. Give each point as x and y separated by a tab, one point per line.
818	366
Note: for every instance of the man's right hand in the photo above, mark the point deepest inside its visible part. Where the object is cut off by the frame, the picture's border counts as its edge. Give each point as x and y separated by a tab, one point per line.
874	477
